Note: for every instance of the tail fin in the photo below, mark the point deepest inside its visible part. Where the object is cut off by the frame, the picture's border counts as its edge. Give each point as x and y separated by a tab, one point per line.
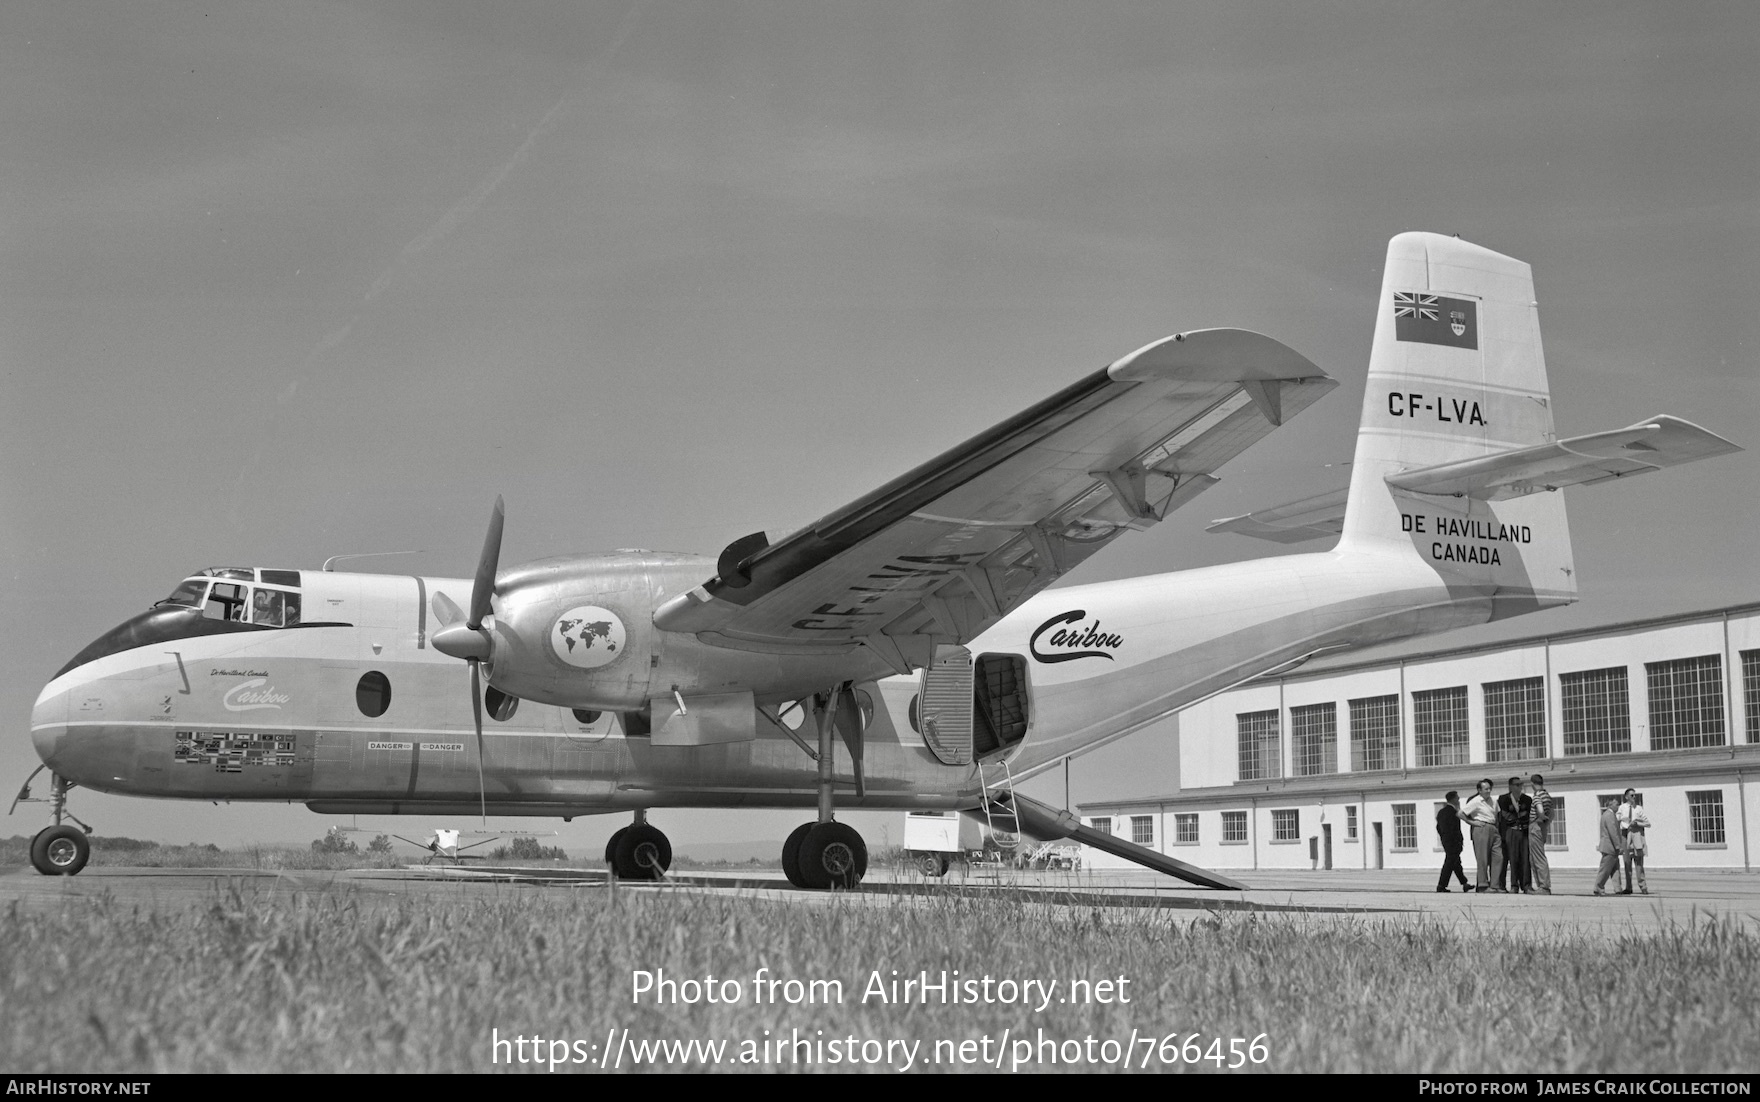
1457	373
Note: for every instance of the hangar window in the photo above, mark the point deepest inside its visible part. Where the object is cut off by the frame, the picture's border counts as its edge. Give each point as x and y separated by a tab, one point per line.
1286	825
1260	754
1185	829
1705	816
1313	732
1515	719
1375	733
1143	830
1103	824
1405	827
1751	693
1439	726
1350	824
372	694
1597	712
1234	828
1686	702
1557	830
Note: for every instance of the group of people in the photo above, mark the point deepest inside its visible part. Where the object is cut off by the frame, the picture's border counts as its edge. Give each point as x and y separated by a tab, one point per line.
1509	839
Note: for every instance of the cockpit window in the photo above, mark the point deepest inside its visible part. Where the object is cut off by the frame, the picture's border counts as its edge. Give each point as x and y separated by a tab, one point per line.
188	593
225	602
275	609
242	573
279	577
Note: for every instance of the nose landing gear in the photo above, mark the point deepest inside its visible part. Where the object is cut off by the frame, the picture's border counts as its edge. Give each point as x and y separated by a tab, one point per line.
58	850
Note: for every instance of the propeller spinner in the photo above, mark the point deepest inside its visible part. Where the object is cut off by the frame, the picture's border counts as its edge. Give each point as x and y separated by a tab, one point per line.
473	642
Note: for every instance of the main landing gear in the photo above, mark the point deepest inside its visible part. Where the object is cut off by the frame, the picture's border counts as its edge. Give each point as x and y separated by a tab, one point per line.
639	851
826	853
61	849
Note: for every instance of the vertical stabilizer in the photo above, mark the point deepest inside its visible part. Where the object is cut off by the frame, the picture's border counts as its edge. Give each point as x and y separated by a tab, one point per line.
1457	372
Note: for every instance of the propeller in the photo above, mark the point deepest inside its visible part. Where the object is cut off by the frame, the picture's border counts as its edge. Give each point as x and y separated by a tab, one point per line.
471	641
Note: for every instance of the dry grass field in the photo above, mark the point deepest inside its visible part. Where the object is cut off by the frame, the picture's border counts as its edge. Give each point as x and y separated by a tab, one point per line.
254	980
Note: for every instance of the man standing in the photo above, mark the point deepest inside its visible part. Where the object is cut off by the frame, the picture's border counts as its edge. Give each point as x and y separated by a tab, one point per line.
1608	847
1481	815
1512	822
1448	828
1539	824
1634	826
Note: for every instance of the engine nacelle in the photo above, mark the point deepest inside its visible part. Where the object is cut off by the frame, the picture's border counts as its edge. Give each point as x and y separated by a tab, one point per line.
579	631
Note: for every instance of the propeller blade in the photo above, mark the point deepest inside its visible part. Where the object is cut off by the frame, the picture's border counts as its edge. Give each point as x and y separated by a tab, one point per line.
446	610
477	714
484	587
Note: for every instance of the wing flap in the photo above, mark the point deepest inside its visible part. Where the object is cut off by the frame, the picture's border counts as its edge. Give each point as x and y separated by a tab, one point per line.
1650	445
939	554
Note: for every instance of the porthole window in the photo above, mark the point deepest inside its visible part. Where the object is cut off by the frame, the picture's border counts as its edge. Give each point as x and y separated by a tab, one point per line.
499	705
792	715
582	715
372	695
916	721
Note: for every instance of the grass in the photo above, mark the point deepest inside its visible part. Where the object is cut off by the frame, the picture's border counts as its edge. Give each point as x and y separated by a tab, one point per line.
249	980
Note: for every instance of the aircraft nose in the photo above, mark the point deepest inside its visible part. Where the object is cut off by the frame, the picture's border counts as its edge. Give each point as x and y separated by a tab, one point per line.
49	720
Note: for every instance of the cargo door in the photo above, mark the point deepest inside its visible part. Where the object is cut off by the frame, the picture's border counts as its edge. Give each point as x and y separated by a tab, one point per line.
999	713
946	708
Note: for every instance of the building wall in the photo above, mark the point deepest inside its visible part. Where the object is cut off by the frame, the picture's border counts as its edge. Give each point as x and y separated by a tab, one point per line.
1209	781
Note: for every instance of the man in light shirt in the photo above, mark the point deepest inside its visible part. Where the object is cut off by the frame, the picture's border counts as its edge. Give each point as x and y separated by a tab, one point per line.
1539	822
1481	815
1634	828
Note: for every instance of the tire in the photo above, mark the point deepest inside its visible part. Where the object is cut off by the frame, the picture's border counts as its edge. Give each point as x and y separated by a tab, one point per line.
643	853
611	846
833	856
932	864
60	850
791	855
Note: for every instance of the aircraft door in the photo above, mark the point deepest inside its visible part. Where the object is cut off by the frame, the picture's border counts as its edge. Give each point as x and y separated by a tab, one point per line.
945	706
1000	703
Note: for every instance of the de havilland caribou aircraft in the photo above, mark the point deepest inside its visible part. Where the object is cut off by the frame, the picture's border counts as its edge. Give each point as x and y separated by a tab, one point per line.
902	652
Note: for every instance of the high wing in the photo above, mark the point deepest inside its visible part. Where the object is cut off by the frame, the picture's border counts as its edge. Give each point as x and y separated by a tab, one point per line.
941	553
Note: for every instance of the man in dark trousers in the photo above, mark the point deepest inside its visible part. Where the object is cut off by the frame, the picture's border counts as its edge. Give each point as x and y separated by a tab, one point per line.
1448	828
1513	808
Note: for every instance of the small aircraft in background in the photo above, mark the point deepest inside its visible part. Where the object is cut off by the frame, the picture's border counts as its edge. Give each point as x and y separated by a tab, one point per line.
443	843
915	627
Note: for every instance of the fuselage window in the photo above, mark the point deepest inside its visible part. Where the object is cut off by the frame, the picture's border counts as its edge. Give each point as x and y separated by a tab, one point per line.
225	602
582	715
275	609
499	705
373	694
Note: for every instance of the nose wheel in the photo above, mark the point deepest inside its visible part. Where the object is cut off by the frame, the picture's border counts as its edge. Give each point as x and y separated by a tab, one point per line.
60	850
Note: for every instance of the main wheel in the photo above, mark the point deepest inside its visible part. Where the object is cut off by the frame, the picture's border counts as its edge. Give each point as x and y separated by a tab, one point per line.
60	850
611	845
643	853
932	864
833	856
791	855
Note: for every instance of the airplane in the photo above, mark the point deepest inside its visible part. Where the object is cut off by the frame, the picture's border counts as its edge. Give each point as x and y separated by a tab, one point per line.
915	628
443	842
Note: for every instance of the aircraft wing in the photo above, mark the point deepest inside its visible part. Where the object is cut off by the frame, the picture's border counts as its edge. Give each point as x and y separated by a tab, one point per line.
941	553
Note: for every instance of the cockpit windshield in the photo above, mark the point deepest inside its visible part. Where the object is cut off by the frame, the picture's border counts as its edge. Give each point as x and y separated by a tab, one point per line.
276	604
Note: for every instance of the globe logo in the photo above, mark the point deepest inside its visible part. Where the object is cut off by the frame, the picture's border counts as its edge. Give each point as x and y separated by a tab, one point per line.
588	637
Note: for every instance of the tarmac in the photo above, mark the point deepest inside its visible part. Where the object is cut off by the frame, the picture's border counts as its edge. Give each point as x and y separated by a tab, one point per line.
1678	897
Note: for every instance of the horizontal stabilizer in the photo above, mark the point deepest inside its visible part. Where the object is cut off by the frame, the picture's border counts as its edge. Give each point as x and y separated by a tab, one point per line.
1311	518
1580	461
1048	824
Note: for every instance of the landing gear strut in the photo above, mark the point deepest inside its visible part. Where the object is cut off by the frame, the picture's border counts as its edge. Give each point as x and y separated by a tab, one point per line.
60	849
826	853
639	851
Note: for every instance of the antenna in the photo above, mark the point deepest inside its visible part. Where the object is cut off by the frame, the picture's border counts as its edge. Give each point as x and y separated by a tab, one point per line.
367	555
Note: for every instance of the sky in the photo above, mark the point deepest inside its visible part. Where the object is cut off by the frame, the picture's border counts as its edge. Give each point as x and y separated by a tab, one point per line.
280	282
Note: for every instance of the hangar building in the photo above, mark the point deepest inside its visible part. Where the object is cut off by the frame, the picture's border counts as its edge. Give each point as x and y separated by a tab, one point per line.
1343	763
